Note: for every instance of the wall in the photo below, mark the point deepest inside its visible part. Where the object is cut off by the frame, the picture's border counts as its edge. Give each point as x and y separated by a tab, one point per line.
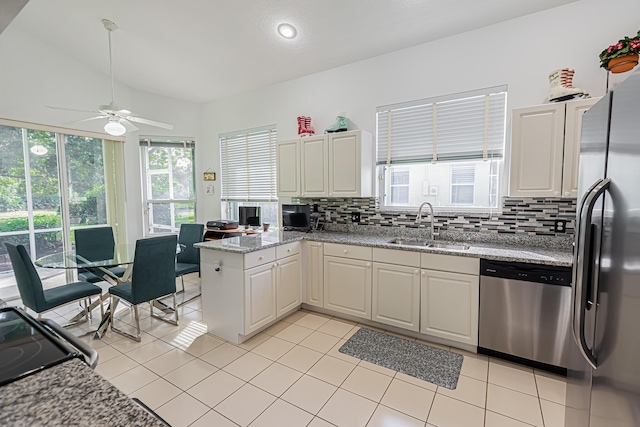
34	75
520	53
532	216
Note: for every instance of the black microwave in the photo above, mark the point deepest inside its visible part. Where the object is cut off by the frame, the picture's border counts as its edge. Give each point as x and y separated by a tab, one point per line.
296	217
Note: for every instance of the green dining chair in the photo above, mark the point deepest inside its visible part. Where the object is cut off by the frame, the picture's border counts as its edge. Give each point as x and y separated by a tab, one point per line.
188	260
96	244
42	300
153	277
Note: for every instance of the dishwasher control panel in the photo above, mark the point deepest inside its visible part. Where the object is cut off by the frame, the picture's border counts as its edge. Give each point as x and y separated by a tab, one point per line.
538	273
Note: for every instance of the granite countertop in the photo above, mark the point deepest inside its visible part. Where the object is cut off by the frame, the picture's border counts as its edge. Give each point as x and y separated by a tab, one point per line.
69	394
518	252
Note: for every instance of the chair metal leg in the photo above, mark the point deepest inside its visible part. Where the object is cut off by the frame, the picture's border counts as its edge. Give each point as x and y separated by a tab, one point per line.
182	280
136	337
187	301
167	310
175	307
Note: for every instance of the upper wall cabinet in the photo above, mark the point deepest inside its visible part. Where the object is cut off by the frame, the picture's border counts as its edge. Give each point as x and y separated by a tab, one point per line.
332	165
545	149
288	165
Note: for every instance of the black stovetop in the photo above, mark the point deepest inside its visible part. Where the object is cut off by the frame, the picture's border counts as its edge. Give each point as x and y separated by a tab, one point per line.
26	346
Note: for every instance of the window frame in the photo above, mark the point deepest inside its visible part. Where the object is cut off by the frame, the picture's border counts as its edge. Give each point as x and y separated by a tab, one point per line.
492	153
466	184
147	142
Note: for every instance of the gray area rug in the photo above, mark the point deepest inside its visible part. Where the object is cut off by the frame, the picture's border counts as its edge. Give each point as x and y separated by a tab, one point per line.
440	367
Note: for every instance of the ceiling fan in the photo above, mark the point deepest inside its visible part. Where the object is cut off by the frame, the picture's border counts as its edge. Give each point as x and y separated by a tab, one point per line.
119	120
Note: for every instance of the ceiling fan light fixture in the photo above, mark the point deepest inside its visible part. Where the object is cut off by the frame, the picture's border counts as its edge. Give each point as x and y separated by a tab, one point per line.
39	150
287	31
114	127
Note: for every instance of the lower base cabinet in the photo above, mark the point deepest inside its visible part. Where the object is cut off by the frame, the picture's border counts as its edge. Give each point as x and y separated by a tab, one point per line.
396	296
314	273
260	296
287	284
347	286
449	306
271	290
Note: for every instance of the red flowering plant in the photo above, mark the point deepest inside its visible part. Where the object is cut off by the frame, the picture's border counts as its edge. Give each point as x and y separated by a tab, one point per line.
626	46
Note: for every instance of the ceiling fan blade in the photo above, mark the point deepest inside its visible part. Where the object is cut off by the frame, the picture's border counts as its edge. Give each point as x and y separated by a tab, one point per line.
128	126
86	120
149	122
73	109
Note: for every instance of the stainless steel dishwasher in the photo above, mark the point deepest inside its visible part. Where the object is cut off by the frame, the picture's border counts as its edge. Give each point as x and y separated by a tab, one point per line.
525	312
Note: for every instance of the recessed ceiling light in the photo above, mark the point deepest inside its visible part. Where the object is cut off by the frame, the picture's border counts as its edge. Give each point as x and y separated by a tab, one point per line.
287	31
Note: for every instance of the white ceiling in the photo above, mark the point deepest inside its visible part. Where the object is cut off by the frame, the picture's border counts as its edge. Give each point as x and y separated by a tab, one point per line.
203	50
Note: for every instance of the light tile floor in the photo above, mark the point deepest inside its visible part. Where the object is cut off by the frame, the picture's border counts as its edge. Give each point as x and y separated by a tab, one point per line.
293	375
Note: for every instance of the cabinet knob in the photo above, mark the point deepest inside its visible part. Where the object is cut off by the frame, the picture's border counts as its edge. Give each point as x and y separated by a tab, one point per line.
368	264
260	258
345	251
416	272
566	193
424	273
289	250
557	193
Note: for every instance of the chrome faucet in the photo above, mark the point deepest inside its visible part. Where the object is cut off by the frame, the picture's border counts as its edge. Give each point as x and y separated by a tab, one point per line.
419	218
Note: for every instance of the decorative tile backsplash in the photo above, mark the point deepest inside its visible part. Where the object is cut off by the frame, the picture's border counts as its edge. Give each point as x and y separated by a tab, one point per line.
530	216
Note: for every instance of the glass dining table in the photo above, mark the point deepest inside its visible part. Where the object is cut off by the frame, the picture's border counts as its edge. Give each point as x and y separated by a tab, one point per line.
123	255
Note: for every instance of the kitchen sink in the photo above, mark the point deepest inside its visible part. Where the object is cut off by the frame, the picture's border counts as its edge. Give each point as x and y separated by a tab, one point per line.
457	247
409	242
434	245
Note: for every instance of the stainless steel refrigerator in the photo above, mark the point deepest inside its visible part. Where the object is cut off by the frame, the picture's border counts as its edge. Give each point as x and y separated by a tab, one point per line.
603	380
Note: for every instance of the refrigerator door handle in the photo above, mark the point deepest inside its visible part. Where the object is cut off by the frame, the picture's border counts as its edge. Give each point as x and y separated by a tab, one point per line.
581	268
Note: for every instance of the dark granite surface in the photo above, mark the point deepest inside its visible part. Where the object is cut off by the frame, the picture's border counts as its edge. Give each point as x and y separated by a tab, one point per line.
437	366
69	394
512	250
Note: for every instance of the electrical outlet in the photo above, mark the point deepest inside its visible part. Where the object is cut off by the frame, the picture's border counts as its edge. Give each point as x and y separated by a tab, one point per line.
327	215
355	217
560	226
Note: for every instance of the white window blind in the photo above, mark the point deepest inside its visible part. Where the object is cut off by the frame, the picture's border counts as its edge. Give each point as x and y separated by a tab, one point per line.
461	126
248	161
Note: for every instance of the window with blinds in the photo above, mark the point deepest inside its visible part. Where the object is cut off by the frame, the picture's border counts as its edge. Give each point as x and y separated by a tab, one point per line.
432	137
248	160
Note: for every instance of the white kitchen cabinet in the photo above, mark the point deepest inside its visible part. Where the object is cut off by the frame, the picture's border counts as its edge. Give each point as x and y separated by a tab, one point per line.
288	165
572	134
350	164
245	293
314	273
260	297
314	154
396	296
449	306
333	165
287	284
347	286
545	147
